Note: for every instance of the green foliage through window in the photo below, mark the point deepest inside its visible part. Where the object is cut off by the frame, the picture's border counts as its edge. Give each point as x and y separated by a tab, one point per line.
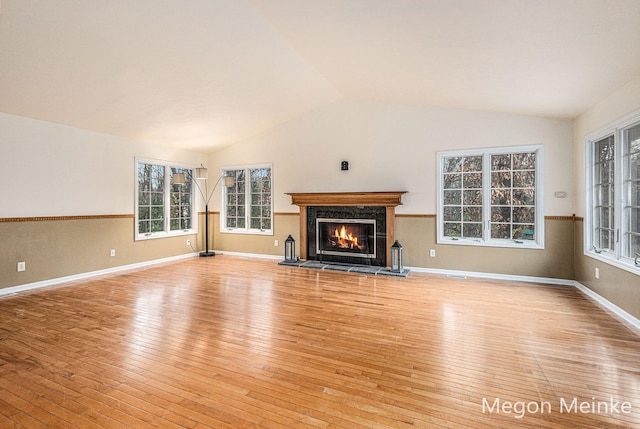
248	204
490	196
162	206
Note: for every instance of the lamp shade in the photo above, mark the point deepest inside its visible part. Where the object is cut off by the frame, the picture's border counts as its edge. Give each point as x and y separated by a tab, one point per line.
228	181
179	179
201	173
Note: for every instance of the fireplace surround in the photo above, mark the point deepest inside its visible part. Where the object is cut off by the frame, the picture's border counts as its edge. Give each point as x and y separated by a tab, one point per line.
372	212
366	225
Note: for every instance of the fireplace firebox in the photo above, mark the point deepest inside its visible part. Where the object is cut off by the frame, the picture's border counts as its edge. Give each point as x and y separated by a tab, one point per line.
346	237
347	234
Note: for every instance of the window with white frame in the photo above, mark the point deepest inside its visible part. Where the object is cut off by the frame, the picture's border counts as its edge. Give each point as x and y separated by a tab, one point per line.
491	197
612	225
247	205
162	207
603	190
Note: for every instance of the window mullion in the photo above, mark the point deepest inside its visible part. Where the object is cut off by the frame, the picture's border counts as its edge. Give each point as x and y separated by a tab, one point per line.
167	198
247	199
539	195
588	196
618	194
486	197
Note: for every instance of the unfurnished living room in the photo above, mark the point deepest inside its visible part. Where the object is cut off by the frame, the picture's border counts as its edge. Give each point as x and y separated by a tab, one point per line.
320	214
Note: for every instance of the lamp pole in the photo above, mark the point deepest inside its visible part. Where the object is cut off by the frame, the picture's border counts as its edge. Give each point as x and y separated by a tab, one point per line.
201	173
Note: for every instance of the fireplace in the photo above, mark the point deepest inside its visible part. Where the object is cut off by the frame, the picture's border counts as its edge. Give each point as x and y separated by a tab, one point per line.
347	234
372	212
346	237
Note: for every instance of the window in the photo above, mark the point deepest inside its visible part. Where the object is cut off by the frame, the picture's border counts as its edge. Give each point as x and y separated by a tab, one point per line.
491	197
603	188
247	205
162	208
612	226
180	204
631	192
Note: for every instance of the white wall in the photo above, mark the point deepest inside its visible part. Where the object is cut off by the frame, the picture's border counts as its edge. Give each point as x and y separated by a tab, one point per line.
392	147
53	170
619	104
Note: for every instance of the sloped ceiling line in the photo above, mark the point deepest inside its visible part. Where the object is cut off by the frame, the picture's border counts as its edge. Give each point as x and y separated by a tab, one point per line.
206	73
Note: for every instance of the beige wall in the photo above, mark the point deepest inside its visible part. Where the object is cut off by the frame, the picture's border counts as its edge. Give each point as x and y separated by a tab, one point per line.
58	248
418	236
620	287
393	147
48	170
284	224
63	171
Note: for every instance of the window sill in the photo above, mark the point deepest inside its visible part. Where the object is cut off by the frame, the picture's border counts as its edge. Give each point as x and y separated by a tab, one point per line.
155	235
247	232
512	244
608	259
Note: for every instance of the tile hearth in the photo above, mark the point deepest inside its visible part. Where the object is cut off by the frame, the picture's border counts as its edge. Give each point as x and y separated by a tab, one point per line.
350	268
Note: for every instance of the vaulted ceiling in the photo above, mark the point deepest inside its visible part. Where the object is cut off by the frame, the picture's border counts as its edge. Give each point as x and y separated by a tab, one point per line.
199	74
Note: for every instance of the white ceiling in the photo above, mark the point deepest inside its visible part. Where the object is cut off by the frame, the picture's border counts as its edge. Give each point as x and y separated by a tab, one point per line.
202	73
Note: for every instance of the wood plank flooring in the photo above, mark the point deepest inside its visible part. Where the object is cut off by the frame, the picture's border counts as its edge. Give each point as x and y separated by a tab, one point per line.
230	342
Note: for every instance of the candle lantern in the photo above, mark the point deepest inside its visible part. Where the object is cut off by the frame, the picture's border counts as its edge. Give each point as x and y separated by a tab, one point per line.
290	249
396	257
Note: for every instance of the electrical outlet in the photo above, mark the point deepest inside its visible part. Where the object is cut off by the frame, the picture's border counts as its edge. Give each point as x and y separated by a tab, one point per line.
112	252
432	253
275	243
597	273
22	266
188	242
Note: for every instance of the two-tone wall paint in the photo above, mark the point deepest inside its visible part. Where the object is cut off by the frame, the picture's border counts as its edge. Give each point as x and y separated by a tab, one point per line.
618	286
67	199
85	182
392	147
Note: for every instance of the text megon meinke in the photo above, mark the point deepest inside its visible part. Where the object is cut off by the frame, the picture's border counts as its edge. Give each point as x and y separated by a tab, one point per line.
564	406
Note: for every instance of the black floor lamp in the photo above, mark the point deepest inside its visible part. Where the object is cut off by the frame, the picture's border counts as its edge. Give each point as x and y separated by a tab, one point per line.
201	174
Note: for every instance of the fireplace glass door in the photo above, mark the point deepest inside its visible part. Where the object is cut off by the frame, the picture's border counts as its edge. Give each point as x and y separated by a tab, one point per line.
346	237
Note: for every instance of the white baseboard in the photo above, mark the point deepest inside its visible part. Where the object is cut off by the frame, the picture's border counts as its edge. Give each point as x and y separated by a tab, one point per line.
617	311
603	302
494	276
249	255
35	285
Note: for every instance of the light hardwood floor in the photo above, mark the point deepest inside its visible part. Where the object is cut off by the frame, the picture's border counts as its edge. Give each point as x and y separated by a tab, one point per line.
228	342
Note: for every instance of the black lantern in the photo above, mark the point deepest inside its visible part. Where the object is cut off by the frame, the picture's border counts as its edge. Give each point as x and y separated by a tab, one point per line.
396	257
290	249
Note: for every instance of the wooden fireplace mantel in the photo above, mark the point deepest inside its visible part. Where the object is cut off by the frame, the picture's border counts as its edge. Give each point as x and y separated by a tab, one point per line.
387	199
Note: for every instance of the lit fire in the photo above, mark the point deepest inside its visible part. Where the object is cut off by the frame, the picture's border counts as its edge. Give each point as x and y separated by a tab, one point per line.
345	239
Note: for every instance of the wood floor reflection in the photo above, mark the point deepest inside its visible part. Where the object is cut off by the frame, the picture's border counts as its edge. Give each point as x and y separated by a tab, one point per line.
230	342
